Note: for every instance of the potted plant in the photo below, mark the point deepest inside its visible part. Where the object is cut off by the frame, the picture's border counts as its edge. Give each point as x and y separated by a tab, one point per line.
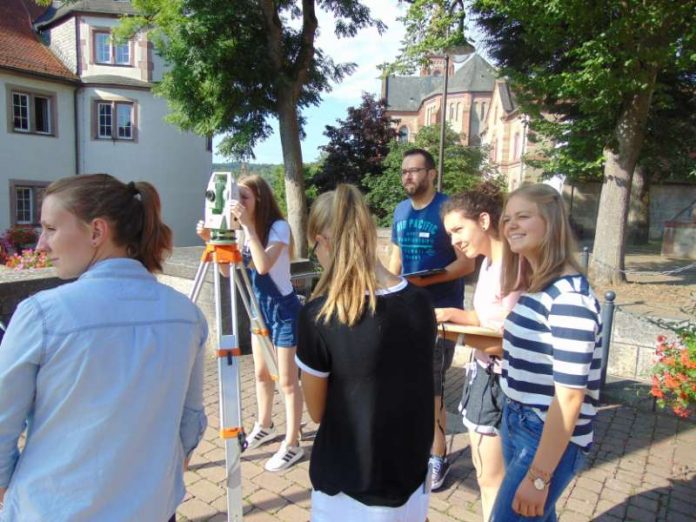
674	372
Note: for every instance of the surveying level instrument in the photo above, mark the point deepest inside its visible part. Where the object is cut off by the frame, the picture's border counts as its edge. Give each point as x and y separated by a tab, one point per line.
222	250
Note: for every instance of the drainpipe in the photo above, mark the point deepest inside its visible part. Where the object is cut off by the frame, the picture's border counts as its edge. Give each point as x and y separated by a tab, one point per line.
76	123
78	71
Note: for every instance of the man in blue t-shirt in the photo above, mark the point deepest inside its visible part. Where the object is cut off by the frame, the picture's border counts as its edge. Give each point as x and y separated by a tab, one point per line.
420	242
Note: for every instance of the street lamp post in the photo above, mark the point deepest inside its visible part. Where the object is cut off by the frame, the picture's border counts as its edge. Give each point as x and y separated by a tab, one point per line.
460	50
443	125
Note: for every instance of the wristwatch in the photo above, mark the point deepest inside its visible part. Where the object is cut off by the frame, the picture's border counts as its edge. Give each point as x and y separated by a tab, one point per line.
538	480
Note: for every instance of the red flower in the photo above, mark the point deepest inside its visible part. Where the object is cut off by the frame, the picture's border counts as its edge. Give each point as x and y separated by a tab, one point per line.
670	381
681	411
657	392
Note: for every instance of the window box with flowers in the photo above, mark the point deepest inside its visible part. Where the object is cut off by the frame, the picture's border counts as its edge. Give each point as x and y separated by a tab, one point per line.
17	238
29	258
674	373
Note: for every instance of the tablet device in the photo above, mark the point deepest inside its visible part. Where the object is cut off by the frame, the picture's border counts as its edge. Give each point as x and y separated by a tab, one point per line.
425	273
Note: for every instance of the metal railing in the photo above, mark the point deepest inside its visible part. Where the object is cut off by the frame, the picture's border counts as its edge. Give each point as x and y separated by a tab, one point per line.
303	283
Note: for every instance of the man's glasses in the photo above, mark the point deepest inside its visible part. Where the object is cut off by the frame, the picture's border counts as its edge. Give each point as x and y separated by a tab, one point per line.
414	170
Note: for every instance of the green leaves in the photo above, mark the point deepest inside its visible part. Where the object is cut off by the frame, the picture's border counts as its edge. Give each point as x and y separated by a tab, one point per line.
584	61
432	27
465	167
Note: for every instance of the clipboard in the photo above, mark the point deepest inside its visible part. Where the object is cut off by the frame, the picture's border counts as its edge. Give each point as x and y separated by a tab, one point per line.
425	273
470	330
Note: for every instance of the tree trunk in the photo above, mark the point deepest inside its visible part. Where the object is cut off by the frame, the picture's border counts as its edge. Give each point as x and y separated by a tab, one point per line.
294	178
639	209
619	162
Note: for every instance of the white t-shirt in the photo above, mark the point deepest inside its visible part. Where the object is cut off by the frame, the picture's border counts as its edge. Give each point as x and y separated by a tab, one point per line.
280	271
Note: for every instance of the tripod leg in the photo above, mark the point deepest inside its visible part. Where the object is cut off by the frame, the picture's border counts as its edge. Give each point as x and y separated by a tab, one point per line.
231	429
198	280
258	327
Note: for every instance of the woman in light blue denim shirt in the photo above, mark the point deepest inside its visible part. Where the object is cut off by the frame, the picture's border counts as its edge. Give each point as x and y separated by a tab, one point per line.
106	372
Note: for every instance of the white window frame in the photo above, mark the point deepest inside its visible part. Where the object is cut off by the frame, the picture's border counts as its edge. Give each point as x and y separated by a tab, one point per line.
26	106
113	49
120	47
105	46
113	124
34	190
27	198
29	98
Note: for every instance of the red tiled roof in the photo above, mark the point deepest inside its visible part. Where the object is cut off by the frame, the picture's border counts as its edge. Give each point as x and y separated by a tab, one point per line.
20	47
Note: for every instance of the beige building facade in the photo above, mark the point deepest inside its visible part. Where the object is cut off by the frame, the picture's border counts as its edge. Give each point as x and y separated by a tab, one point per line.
479	107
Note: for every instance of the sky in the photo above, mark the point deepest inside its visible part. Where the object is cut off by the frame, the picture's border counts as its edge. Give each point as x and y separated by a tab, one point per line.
367	49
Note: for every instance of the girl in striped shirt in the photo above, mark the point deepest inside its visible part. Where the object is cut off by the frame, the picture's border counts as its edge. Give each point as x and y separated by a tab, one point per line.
551	357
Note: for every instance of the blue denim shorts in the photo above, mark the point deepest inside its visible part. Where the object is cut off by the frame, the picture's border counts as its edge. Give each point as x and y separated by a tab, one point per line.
520	431
280	315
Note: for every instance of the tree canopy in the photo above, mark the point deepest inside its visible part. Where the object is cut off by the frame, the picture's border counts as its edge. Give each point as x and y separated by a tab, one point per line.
357	145
431	27
600	69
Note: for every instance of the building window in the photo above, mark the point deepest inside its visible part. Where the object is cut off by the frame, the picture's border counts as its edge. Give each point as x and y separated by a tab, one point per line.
115	120
32	113
516	147
483	110
106	52
452	117
25	203
20	107
403	134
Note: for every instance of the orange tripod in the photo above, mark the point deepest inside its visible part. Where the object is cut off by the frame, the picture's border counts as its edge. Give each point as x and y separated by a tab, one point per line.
226	254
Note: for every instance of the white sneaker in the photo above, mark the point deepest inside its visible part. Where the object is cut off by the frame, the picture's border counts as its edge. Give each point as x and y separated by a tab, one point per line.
260	436
285	457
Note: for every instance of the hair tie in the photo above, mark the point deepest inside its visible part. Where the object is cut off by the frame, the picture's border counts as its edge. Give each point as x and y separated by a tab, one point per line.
132	189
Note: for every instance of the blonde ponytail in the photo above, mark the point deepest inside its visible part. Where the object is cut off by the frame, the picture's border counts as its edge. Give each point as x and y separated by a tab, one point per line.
349	281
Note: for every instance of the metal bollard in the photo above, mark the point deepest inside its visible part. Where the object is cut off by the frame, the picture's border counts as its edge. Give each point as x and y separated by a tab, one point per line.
585	258
607	322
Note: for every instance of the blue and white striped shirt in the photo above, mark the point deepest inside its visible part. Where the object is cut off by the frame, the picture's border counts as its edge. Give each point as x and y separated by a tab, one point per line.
554	337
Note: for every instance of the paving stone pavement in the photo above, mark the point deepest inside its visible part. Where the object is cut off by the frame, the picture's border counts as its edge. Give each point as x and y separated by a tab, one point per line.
642	468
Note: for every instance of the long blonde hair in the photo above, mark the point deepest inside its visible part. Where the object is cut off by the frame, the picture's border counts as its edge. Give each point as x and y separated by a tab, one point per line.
556	250
349	282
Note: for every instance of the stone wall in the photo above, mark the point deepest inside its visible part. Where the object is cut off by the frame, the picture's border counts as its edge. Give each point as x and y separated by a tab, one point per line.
665	202
17	285
633	341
